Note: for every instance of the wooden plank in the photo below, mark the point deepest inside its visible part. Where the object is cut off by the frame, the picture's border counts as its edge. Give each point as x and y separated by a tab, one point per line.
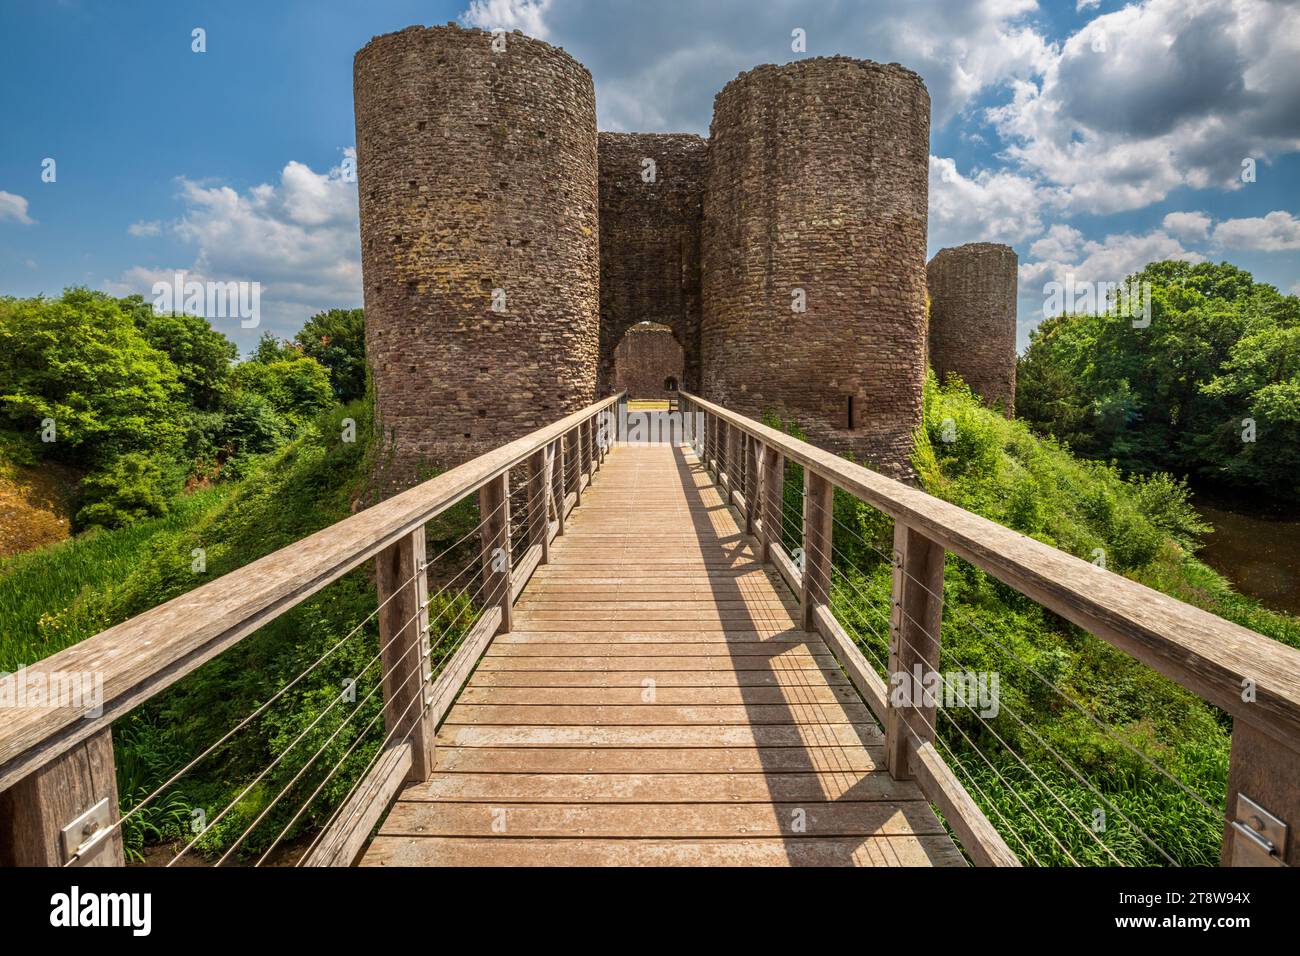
982	842
771	851
1204	653
833	758
773	647
683	735
874	785
664	821
652	715
649	692
345	838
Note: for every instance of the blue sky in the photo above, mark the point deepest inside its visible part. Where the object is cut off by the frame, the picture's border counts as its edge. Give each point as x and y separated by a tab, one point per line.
1091	136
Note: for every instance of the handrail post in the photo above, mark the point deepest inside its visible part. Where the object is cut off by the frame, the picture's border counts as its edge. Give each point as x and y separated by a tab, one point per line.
724	457
561	482
539	504
1263	804
916	614
575	440
494	508
401	582
773	499
751	482
710	440
817	503
69	803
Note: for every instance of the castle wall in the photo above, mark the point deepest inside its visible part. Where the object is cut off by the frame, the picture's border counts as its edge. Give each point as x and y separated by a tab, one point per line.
645	360
817	180
972	328
650	242
477	172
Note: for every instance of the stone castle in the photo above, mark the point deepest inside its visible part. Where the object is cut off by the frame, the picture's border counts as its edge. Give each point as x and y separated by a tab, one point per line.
517	264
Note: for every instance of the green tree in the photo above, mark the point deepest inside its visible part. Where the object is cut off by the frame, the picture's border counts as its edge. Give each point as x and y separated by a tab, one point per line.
81	362
1143	395
202	355
296	386
337	339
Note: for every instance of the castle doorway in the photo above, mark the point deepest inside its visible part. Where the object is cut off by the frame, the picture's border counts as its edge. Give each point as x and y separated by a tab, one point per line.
648	362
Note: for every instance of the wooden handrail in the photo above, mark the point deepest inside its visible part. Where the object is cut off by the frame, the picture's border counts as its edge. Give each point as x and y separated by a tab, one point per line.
1252	677
1206	654
146	654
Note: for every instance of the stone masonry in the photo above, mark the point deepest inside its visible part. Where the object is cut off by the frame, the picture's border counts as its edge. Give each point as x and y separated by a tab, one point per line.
651	201
477	176
511	254
648	363
817	187
973	319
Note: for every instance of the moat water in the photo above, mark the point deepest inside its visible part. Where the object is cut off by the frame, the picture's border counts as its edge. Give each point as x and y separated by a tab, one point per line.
1257	549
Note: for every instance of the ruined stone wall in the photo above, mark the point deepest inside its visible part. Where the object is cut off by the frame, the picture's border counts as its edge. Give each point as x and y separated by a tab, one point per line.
973	319
644	362
650	241
477	172
817	180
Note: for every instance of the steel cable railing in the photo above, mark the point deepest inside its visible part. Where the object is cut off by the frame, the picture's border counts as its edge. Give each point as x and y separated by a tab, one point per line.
842	594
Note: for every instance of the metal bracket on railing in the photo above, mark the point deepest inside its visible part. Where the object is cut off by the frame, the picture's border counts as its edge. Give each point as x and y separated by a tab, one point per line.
82	840
1260	837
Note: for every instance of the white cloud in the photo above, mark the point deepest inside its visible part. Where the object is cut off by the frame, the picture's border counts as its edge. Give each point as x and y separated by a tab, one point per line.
526	15
142	228
1187	226
658	65
1062	243
14	207
1274	232
1112	259
1085	4
297	238
984	207
1157	95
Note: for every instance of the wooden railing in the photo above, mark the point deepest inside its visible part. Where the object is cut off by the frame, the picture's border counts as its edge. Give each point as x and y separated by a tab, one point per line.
58	795
1253	678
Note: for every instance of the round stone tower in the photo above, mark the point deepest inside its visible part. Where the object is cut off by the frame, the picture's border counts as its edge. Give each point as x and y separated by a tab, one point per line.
814	252
477	174
973	319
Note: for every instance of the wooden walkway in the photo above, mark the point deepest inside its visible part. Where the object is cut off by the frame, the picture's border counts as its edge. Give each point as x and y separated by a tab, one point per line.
656	704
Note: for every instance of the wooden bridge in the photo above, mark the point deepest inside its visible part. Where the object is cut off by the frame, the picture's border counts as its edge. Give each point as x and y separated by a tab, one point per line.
657	671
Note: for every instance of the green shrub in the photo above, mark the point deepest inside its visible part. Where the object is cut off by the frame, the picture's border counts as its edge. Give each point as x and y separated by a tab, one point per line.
132	488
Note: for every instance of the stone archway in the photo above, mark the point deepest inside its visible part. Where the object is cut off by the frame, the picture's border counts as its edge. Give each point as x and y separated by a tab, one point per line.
649	362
